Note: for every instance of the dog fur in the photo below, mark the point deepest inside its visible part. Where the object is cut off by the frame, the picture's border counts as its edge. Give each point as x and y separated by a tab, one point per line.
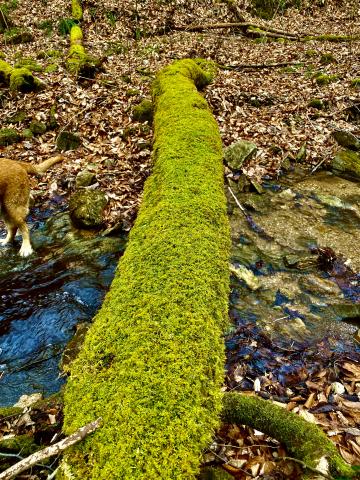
14	197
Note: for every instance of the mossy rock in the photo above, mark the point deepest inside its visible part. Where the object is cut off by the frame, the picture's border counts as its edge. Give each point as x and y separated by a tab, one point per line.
8	136
317	103
37	128
238	153
85	179
16	117
87	208
324	79
67	141
52	123
143	112
347	163
346	139
14	36
27	134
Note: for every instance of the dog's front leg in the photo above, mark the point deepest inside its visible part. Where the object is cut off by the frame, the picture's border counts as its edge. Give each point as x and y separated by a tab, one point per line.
26	248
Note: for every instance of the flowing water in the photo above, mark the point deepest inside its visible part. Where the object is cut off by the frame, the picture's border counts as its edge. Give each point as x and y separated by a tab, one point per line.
295	286
45	296
298	298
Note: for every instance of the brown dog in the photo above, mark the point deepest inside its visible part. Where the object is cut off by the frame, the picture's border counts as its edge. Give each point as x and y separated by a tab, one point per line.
14	197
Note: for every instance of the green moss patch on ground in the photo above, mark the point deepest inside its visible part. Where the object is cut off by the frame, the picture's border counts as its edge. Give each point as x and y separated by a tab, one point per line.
153	361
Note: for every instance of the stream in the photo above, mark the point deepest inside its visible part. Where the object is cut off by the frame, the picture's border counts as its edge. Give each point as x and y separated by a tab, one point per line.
44	297
295	286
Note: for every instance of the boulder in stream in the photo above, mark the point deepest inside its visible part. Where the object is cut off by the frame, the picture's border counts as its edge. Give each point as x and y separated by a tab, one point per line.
87	207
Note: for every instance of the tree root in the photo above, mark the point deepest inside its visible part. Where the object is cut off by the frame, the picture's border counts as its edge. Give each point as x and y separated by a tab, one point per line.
304	440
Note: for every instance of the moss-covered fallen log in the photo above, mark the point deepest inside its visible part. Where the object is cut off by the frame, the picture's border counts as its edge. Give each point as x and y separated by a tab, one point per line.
152	362
76	10
18	78
304	441
79	63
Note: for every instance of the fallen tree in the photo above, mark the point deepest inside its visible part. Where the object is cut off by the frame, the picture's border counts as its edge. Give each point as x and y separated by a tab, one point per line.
152	362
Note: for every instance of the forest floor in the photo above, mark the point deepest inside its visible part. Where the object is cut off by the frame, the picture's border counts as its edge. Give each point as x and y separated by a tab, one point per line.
268	106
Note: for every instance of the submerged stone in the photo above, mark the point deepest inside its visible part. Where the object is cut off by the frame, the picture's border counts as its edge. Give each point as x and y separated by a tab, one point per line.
237	153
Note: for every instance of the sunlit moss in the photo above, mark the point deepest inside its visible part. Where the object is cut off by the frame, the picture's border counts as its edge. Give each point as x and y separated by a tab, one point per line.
77	11
153	361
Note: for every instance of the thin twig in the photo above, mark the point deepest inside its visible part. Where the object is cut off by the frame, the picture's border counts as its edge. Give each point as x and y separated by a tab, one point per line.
237	202
49	451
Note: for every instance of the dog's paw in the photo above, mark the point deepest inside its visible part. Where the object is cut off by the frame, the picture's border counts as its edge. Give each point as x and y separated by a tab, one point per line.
25	250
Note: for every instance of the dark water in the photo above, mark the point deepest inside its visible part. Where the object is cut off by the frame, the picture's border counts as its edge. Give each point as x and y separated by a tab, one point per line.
44	297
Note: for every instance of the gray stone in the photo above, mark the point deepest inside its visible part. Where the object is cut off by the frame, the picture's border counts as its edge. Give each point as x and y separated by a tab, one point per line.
237	153
87	208
346	139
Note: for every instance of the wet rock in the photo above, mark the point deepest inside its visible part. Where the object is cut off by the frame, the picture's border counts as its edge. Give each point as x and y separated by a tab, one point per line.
67	141
85	178
319	286
346	139
237	153
87	208
347	162
243	273
28	400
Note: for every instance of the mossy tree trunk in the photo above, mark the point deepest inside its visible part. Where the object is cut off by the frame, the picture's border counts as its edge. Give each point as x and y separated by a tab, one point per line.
152	363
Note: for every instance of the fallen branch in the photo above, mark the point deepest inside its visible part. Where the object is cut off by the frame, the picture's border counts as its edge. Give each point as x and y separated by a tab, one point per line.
241	25
259	65
50	451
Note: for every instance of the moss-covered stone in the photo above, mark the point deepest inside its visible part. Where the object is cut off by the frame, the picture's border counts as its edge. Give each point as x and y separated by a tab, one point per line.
143	112
305	441
8	136
316	103
37	128
327	58
67	141
23	80
16	117
347	162
87	208
237	153
324	79
153	361
27	133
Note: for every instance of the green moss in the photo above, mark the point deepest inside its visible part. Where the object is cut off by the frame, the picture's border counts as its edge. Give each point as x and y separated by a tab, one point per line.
76	35
324	79
76	9
143	112
47	26
65	25
28	63
23	80
17	35
132	92
8	136
78	61
355	82
27	133
21	444
317	103
332	38
9	411
152	363
327	58
53	67
37	128
5	72
303	440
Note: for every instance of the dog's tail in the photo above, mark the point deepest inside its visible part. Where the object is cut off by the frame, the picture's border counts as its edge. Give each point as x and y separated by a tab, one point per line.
41	167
